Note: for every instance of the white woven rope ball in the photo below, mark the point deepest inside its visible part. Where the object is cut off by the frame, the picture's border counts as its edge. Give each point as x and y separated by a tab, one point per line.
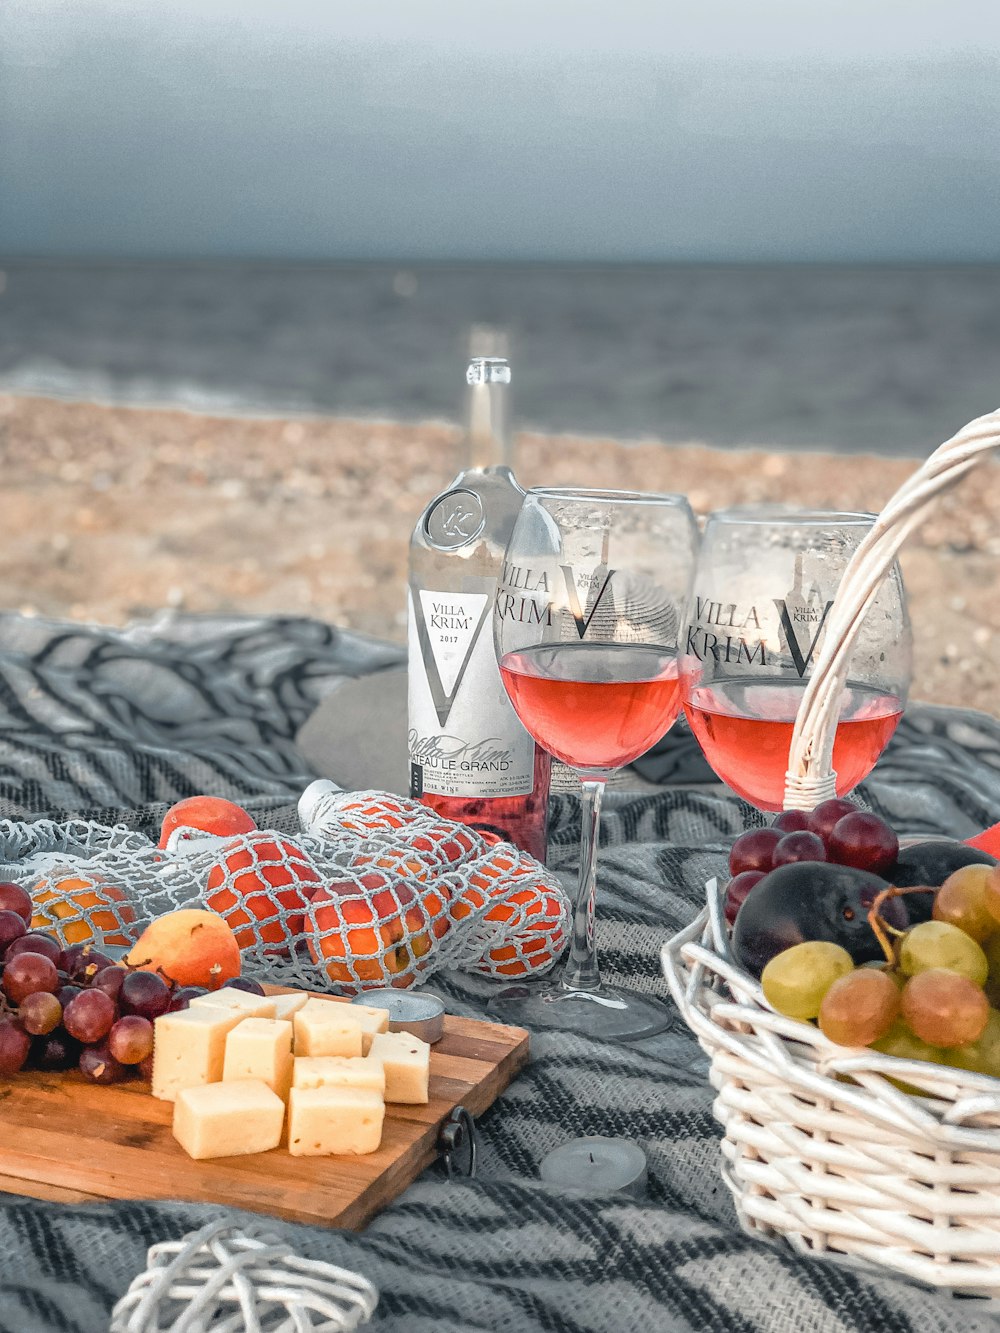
222	1280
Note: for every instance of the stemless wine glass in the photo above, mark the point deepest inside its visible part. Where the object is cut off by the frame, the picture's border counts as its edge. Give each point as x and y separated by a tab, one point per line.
589	606
764	584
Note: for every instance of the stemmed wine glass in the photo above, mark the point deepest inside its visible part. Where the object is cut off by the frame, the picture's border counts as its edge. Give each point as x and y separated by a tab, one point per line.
764	584
588	610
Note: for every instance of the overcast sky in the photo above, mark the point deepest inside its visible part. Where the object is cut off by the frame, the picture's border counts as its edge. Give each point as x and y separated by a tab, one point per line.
532	129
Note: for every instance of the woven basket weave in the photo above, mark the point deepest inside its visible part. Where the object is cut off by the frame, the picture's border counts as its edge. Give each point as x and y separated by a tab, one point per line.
821	1144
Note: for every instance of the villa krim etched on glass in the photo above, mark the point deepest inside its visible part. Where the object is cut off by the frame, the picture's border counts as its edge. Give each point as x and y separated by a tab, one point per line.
470	757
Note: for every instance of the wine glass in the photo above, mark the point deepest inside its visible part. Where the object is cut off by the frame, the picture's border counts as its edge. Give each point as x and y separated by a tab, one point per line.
588	610
764	584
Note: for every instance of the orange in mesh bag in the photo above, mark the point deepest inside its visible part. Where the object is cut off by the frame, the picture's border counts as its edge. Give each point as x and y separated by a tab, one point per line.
260	884
83	906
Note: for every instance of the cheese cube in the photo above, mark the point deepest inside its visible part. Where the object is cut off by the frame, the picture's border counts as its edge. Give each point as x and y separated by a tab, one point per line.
373	1021
286	1005
250	1006
407	1063
189	1048
228	1119
331	1071
327	1029
334	1120
260	1048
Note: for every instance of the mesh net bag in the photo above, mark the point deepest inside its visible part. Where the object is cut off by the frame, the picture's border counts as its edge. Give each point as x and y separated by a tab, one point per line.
375	890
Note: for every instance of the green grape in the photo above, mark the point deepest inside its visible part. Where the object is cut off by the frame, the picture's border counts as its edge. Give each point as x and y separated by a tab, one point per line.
900	1042
796	979
981	1056
961	901
859	1008
939	945
944	1008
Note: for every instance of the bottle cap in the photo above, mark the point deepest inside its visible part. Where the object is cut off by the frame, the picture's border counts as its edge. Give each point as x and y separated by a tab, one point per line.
315	795
488	370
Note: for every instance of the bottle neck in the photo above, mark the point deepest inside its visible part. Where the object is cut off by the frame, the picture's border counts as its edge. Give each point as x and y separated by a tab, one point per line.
487	432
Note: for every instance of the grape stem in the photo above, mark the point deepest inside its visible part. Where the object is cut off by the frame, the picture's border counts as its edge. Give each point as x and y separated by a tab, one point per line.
881	928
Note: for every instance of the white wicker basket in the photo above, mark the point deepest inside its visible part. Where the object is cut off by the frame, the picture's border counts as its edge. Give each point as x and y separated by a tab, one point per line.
820	1146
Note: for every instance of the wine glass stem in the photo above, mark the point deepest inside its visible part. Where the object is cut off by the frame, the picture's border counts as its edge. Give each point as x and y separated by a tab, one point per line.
581	971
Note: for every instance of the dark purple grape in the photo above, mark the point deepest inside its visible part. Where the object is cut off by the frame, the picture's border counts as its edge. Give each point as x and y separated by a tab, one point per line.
89	1016
110	980
799	847
739	886
12	928
99	1066
145	1069
753	850
40	1013
812	900
865	841
182	997
245	984
130	1040
823	818
145	994
27	973
37	942
14	899
56	1051
65	993
15	1044
792	821
83	962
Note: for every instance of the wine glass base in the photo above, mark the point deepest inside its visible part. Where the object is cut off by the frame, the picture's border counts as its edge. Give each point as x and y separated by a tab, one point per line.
606	1014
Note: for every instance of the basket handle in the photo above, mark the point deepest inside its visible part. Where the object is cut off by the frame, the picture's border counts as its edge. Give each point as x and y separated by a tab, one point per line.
810	778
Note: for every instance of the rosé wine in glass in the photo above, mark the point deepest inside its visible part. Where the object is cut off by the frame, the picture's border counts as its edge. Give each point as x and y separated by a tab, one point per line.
747	731
595	706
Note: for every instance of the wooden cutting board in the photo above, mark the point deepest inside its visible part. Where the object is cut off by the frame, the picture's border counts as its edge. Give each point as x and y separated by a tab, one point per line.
65	1139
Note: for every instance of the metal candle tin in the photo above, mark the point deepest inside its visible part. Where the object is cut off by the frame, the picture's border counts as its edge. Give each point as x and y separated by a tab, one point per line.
420	1014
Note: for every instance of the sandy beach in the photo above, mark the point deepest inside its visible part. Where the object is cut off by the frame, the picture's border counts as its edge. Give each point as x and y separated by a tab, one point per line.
111	513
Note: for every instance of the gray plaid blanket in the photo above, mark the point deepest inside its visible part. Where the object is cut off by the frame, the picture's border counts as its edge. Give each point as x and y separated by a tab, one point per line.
118	725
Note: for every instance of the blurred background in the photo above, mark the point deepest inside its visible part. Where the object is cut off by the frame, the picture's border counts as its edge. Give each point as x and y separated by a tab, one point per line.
242	244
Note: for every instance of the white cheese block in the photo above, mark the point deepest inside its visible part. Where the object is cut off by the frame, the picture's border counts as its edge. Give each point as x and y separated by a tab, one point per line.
250	1006
407	1063
286	1005
228	1119
327	1029
373	1021
332	1071
189	1048
260	1048
334	1120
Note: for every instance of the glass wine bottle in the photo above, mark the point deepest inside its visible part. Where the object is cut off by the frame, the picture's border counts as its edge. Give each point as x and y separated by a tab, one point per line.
470	757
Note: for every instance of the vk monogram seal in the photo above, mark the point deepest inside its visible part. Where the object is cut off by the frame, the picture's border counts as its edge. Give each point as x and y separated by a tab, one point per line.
456	518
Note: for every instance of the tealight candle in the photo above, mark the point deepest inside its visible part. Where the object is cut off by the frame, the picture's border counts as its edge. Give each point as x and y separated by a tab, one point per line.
420	1014
597	1165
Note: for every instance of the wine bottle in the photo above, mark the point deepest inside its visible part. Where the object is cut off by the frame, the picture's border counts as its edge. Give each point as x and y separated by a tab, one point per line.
470	757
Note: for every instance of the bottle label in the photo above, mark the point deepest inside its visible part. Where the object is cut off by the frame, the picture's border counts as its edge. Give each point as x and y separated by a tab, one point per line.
464	737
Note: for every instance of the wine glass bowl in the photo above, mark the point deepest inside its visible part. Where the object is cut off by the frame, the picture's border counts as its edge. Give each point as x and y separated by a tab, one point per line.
764	585
588	610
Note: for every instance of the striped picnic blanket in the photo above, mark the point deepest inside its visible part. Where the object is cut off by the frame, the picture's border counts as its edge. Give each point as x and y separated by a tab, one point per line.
117	725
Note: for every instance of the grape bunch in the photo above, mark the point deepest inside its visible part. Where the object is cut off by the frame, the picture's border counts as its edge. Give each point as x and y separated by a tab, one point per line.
62	1008
935	997
836	832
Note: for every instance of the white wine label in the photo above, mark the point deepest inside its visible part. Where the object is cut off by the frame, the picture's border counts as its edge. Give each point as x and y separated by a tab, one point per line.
452	622
464	737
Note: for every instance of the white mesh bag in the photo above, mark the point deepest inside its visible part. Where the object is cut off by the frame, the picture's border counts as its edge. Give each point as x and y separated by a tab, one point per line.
376	890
